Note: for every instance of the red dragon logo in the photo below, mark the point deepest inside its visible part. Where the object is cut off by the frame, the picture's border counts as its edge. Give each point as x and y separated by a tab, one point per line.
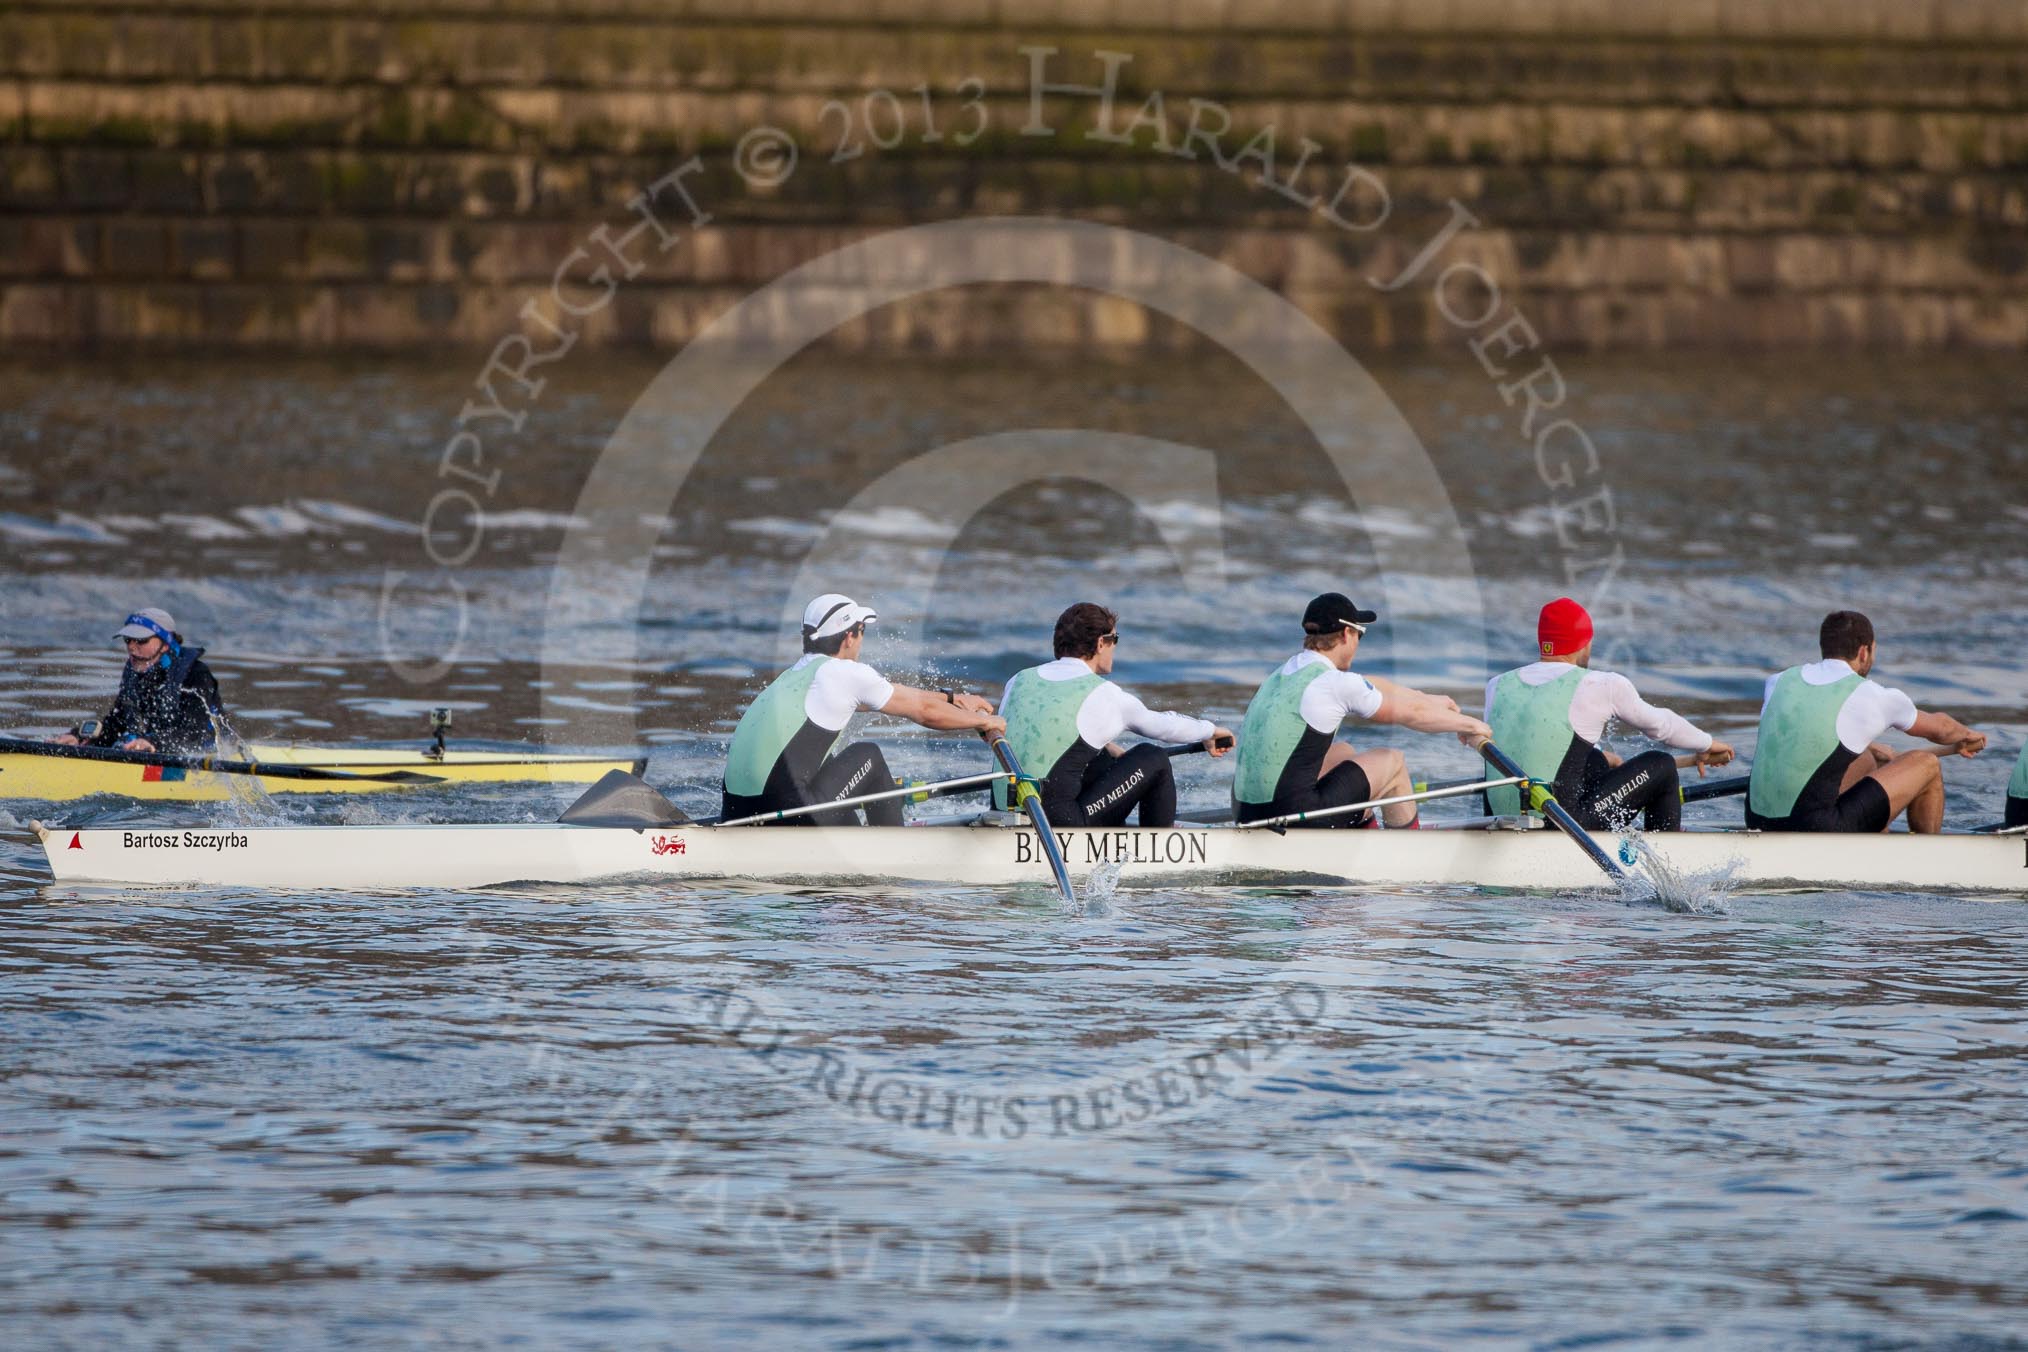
668	845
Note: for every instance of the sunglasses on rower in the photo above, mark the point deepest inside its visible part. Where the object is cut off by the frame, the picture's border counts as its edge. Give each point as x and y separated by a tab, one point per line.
1110	640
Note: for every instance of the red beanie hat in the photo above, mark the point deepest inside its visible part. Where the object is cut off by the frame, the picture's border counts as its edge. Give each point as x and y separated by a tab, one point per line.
1563	628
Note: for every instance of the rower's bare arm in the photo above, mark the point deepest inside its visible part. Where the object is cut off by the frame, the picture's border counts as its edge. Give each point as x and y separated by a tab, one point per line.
932	710
1947	732
1417	711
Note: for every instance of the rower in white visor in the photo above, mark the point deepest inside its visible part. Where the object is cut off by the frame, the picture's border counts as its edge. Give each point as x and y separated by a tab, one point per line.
786	750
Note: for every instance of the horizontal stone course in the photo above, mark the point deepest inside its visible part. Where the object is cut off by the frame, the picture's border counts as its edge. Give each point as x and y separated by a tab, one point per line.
397	315
1293	260
556	122
1880	21
142	46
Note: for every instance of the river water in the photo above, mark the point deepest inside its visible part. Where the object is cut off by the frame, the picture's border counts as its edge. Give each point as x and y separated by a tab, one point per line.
899	1118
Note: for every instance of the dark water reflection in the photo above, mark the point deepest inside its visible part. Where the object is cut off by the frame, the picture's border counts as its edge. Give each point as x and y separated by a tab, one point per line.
730	1117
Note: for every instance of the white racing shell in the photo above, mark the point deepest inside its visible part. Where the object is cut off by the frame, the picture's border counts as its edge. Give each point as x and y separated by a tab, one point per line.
383	858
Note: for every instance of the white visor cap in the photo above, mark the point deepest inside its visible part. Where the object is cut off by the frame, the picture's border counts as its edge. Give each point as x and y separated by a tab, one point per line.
832	613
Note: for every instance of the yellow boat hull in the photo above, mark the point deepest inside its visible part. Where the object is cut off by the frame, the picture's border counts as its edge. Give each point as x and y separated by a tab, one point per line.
61	779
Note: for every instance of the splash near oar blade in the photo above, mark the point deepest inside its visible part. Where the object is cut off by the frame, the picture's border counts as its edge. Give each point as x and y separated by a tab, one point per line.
1554	810
1025	794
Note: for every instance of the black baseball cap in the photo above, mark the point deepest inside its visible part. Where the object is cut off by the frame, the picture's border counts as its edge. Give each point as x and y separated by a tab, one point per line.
1333	611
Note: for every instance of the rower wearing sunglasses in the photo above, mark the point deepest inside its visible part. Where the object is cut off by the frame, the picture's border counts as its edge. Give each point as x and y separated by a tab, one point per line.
168	698
1063	721
1290	760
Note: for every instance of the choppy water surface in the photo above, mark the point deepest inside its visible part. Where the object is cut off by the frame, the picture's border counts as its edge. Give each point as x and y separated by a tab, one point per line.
631	1115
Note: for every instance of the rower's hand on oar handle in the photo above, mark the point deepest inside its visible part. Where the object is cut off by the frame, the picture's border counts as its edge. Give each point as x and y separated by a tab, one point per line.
991	726
1971	745
970	703
67	739
1718	753
1476	735
1220	741
137	744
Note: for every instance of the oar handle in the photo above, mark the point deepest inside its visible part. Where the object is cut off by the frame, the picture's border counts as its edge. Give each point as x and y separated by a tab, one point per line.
1192	748
1717	788
1554	810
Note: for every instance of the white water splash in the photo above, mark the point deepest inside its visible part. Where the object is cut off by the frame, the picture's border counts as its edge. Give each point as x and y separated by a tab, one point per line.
1096	896
1654	881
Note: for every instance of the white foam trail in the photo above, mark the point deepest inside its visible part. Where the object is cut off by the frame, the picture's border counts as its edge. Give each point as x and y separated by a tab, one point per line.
779	526
345	514
278	522
200	527
892	523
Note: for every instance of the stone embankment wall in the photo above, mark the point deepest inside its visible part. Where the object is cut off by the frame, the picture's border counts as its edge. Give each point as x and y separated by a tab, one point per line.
1651	172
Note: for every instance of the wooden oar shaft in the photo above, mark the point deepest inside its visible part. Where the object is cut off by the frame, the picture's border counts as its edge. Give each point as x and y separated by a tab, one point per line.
1422	796
907	791
207	764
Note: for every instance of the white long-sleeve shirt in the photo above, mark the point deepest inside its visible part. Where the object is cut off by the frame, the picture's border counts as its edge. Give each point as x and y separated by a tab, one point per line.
1605	695
1110	712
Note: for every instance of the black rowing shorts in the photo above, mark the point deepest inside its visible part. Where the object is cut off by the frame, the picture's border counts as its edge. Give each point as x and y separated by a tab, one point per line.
1861	809
1344	785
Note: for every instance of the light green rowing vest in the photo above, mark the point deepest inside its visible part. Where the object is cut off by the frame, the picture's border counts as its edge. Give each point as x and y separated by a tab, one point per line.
767	727
1798	733
1531	723
1273	729
2017	787
1042	722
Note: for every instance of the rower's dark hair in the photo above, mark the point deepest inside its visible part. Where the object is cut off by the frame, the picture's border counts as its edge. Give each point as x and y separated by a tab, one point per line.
1844	633
830	644
1079	629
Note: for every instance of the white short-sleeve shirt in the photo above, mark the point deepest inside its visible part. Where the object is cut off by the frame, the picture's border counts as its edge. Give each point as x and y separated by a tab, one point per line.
1333	697
842	688
1872	710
